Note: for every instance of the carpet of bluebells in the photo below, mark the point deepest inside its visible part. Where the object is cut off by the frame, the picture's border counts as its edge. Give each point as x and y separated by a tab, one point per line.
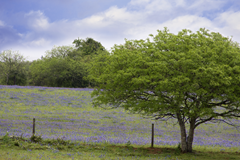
68	113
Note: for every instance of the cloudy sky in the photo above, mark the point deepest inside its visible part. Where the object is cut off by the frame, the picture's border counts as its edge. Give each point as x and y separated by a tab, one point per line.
35	26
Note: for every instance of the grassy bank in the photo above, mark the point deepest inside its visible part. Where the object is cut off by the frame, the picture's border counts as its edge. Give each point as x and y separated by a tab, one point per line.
18	148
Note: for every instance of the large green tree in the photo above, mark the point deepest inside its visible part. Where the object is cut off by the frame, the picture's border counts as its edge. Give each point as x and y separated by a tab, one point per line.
191	77
13	68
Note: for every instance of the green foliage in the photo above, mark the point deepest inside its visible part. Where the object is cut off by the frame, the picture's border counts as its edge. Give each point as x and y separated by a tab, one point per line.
201	64
18	78
178	149
101	60
58	141
62	66
59	52
6	138
193	77
58	72
86	52
13	68
128	144
36	139
88	46
66	66
11	140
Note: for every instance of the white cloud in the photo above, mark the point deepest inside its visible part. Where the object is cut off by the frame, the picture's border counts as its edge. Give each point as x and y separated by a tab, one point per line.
113	16
37	20
175	25
180	3
228	24
204	5
114	24
40	42
139	2
32	53
1	23
229	18
158	5
94	19
118	15
191	22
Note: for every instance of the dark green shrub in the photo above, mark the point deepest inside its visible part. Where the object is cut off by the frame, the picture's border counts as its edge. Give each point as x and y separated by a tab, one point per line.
36	139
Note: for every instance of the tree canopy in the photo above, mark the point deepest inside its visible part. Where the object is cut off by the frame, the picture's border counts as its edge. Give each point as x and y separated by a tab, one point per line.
57	69
59	52
88	46
13	68
191	77
66	66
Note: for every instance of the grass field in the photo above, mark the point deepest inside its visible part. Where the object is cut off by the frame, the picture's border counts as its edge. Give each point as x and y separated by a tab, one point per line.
96	133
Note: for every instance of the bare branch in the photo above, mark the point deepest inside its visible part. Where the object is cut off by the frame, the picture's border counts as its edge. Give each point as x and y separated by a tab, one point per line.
200	121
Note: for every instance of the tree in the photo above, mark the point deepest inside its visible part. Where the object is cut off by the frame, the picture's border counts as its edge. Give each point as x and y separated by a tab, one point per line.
191	77
88	46
49	72
12	65
85	53
58	69
60	52
57	72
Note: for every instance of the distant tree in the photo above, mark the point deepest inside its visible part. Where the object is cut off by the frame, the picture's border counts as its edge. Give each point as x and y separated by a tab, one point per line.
88	46
12	66
59	51
37	73
191	77
85	51
66	66
57	69
56	72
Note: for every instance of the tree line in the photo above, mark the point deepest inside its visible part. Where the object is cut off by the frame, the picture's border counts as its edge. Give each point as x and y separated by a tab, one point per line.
63	66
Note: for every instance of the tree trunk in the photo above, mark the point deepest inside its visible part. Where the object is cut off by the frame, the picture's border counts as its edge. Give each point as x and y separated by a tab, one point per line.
7	79
191	135
184	143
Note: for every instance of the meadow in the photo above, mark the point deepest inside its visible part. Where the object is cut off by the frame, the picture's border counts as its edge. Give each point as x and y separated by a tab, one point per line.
67	114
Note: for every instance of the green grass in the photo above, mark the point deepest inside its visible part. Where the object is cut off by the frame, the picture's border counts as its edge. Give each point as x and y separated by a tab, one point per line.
17	148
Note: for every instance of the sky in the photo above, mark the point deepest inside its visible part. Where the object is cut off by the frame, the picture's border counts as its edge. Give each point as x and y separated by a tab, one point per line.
33	27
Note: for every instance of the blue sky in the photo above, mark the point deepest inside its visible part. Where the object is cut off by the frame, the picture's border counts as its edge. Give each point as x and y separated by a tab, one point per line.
34	26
